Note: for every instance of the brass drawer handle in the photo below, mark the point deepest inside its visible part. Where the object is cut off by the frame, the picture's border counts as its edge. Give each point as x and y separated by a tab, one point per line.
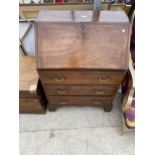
97	102
60	91
103	79
99	92
63	102
59	78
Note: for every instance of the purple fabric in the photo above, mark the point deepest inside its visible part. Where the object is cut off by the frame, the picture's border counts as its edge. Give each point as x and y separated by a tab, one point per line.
130	114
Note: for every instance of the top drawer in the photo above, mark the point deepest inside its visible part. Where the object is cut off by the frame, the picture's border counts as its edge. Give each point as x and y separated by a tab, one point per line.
81	77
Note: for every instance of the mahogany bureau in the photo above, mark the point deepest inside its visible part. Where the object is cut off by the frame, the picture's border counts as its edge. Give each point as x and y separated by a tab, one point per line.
81	56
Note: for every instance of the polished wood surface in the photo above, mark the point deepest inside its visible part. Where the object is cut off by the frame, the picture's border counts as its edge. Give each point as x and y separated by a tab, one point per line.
82	56
31	95
60	43
55	101
28	77
79	100
81	90
81	77
30	105
30	11
84	16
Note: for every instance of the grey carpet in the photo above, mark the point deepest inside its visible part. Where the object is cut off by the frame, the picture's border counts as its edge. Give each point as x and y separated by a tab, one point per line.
75	131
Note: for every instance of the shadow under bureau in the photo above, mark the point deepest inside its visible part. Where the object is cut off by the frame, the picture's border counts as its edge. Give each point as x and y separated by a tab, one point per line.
82	56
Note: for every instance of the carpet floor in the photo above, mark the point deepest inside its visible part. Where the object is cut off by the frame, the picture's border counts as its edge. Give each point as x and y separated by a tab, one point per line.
75	131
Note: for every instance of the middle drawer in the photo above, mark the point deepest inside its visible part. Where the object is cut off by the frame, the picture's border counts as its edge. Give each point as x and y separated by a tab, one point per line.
81	90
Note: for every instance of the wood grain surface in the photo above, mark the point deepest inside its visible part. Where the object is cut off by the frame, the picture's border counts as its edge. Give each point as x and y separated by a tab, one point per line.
98	90
28	77
82	56
79	100
82	16
79	39
31	105
81	77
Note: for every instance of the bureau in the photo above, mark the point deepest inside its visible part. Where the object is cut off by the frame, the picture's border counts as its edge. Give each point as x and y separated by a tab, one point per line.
81	56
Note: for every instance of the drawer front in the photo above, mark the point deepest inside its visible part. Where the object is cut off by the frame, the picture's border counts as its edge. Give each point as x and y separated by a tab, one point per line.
80	90
79	100
81	77
30	105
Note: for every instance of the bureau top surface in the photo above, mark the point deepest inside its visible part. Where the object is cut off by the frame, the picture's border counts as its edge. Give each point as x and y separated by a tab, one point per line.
28	76
82	16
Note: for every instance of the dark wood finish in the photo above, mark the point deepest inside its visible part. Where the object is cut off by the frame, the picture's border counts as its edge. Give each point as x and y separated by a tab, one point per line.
31	95
81	90
107	107
79	100
30	105
57	101
82	56
81	77
63	16
83	45
30	11
28	77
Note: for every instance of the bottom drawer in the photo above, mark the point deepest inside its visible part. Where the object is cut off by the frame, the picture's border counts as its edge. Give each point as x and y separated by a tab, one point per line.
79	100
30	105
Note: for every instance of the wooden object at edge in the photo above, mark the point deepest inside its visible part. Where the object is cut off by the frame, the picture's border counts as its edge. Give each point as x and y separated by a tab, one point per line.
30	11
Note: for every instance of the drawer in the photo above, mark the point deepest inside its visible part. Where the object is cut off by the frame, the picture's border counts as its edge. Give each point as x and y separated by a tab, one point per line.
31	105
79	100
81	90
81	77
